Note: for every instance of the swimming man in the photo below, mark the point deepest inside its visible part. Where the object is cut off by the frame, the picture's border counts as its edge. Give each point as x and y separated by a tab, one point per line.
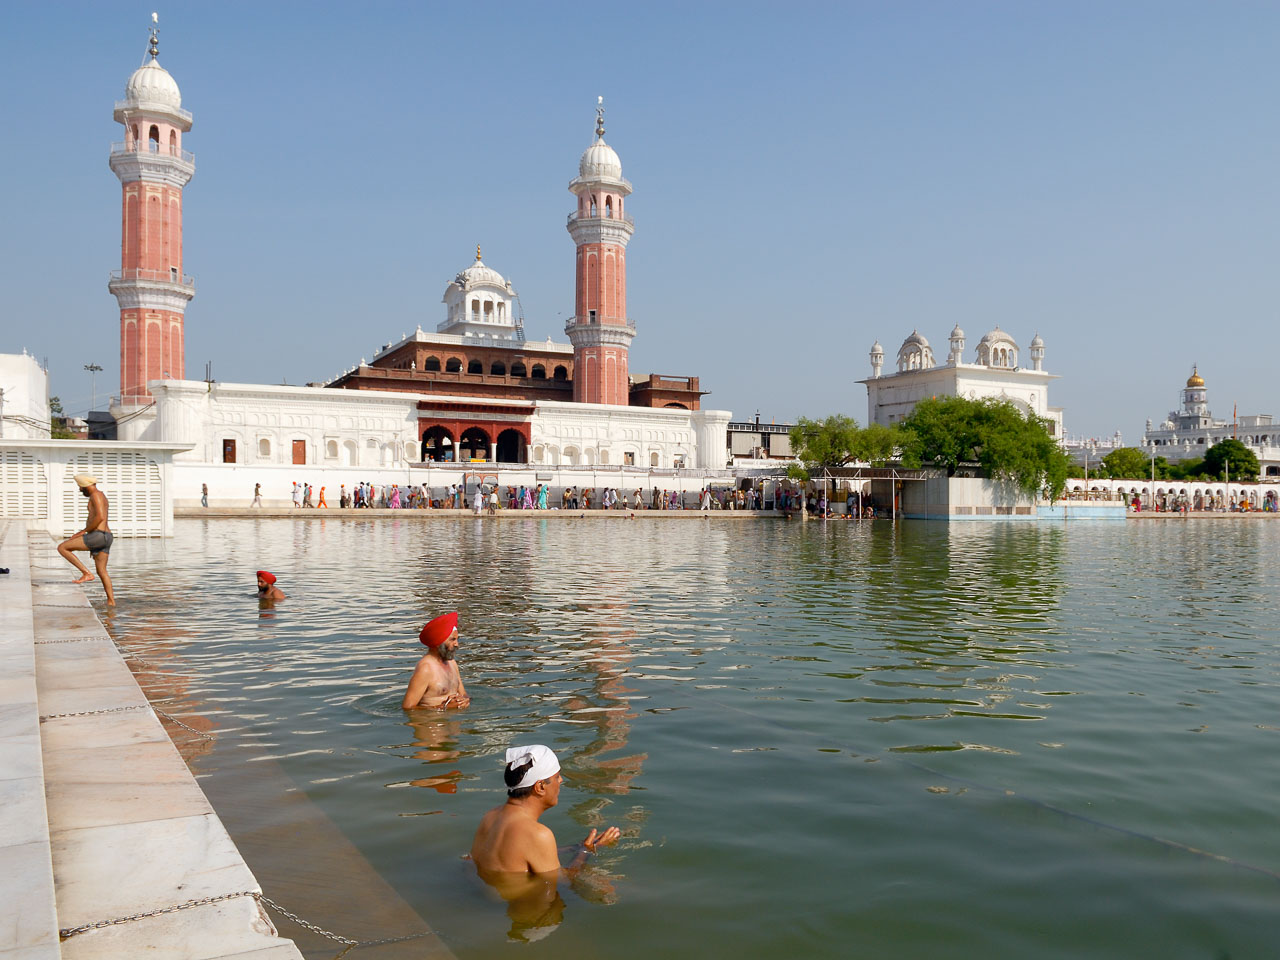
267	589
96	537
510	843
436	681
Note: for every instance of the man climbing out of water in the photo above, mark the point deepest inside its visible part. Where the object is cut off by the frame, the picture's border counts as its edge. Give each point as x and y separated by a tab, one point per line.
95	537
510	841
267	589
436	681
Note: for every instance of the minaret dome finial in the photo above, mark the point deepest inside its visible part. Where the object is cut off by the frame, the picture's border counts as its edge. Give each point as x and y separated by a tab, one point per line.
477	253
155	36
600	117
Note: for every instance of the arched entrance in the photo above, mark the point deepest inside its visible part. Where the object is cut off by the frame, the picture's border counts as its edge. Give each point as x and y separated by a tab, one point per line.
473	445
437	445
511	447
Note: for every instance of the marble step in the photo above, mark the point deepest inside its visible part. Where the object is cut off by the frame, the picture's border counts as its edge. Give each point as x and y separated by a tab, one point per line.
130	831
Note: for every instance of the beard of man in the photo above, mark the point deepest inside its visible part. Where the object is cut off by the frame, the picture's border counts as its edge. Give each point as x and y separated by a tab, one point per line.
446	654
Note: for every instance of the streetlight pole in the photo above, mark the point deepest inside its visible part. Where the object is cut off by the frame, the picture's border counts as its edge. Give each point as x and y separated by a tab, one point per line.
94	370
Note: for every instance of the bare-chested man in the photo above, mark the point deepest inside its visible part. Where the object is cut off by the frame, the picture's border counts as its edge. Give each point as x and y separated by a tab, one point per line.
95	537
511	847
267	589
436	681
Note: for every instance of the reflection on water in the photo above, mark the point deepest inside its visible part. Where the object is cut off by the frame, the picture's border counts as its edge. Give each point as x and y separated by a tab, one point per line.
913	740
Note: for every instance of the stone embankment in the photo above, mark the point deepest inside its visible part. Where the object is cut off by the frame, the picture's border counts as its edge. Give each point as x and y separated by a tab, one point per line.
100	819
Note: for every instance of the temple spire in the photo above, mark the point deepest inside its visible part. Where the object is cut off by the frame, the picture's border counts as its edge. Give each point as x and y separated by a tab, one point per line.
599	118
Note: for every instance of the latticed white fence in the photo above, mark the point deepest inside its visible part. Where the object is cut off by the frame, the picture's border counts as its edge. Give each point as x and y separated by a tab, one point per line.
36	484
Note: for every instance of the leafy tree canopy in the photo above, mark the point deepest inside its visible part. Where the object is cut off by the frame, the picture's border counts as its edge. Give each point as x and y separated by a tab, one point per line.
838	440
1127	463
1231	452
949	431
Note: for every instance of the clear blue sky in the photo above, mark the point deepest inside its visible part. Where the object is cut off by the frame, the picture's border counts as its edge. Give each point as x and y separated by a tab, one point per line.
808	179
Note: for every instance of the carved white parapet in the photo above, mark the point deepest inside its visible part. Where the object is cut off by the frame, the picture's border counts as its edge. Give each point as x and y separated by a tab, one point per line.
150	290
616	230
600	334
136	160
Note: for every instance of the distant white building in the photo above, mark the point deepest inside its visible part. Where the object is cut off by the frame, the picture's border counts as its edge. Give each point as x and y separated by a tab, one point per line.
24	398
994	372
1188	433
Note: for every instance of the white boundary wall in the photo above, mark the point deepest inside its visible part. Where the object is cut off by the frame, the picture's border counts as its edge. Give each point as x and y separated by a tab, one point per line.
37	485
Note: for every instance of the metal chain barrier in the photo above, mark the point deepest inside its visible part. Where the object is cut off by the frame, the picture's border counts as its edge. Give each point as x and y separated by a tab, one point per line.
71	640
67	933
198	733
90	713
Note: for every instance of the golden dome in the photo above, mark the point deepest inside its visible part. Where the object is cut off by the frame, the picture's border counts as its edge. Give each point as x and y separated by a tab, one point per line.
1195	380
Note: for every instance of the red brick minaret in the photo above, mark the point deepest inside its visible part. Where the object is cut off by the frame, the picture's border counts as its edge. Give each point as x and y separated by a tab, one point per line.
150	286
599	329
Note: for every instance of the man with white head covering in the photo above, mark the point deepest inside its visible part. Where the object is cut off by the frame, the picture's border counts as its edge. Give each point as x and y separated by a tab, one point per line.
510	840
96	537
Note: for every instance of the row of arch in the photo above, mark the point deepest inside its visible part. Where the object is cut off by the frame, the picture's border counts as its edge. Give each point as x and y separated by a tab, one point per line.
439	445
496	369
153	139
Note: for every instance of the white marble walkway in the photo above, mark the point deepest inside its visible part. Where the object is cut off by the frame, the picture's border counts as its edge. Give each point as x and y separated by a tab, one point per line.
100	818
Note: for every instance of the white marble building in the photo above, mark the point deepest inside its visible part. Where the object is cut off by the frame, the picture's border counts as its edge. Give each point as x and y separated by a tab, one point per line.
24	398
994	372
1188	433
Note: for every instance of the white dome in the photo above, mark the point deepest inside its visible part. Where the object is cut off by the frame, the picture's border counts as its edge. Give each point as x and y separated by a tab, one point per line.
957	333
600	162
876	348
478	273
152	84
997	336
1036	342
916	339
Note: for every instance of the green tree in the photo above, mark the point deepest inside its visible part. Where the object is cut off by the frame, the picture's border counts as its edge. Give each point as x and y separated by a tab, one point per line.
1127	463
824	444
58	429
949	431
1234	454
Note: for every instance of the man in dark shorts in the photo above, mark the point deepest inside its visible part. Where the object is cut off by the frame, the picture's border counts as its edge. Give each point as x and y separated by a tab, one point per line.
95	537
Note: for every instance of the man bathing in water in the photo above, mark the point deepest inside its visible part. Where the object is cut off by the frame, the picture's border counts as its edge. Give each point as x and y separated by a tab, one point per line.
267	589
95	537
510	844
436	681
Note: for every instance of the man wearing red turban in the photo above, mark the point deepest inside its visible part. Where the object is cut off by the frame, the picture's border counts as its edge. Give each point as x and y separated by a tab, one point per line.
436	681
267	589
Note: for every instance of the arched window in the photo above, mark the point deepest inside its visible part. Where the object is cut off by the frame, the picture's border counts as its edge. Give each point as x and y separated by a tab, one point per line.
453	365
560	373
475	366
432	365
134	130
518	369
173	142
604	457
539	372
593	205
608	208
678	406
499	369
264	449
154	136
331	449
653	459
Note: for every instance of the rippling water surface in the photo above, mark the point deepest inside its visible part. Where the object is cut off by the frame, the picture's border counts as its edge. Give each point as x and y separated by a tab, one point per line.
828	740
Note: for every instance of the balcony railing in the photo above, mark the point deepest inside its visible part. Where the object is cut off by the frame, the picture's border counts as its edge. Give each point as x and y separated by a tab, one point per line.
150	146
158	276
599	216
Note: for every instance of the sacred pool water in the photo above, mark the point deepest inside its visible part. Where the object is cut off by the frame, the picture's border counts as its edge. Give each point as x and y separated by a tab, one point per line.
821	740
